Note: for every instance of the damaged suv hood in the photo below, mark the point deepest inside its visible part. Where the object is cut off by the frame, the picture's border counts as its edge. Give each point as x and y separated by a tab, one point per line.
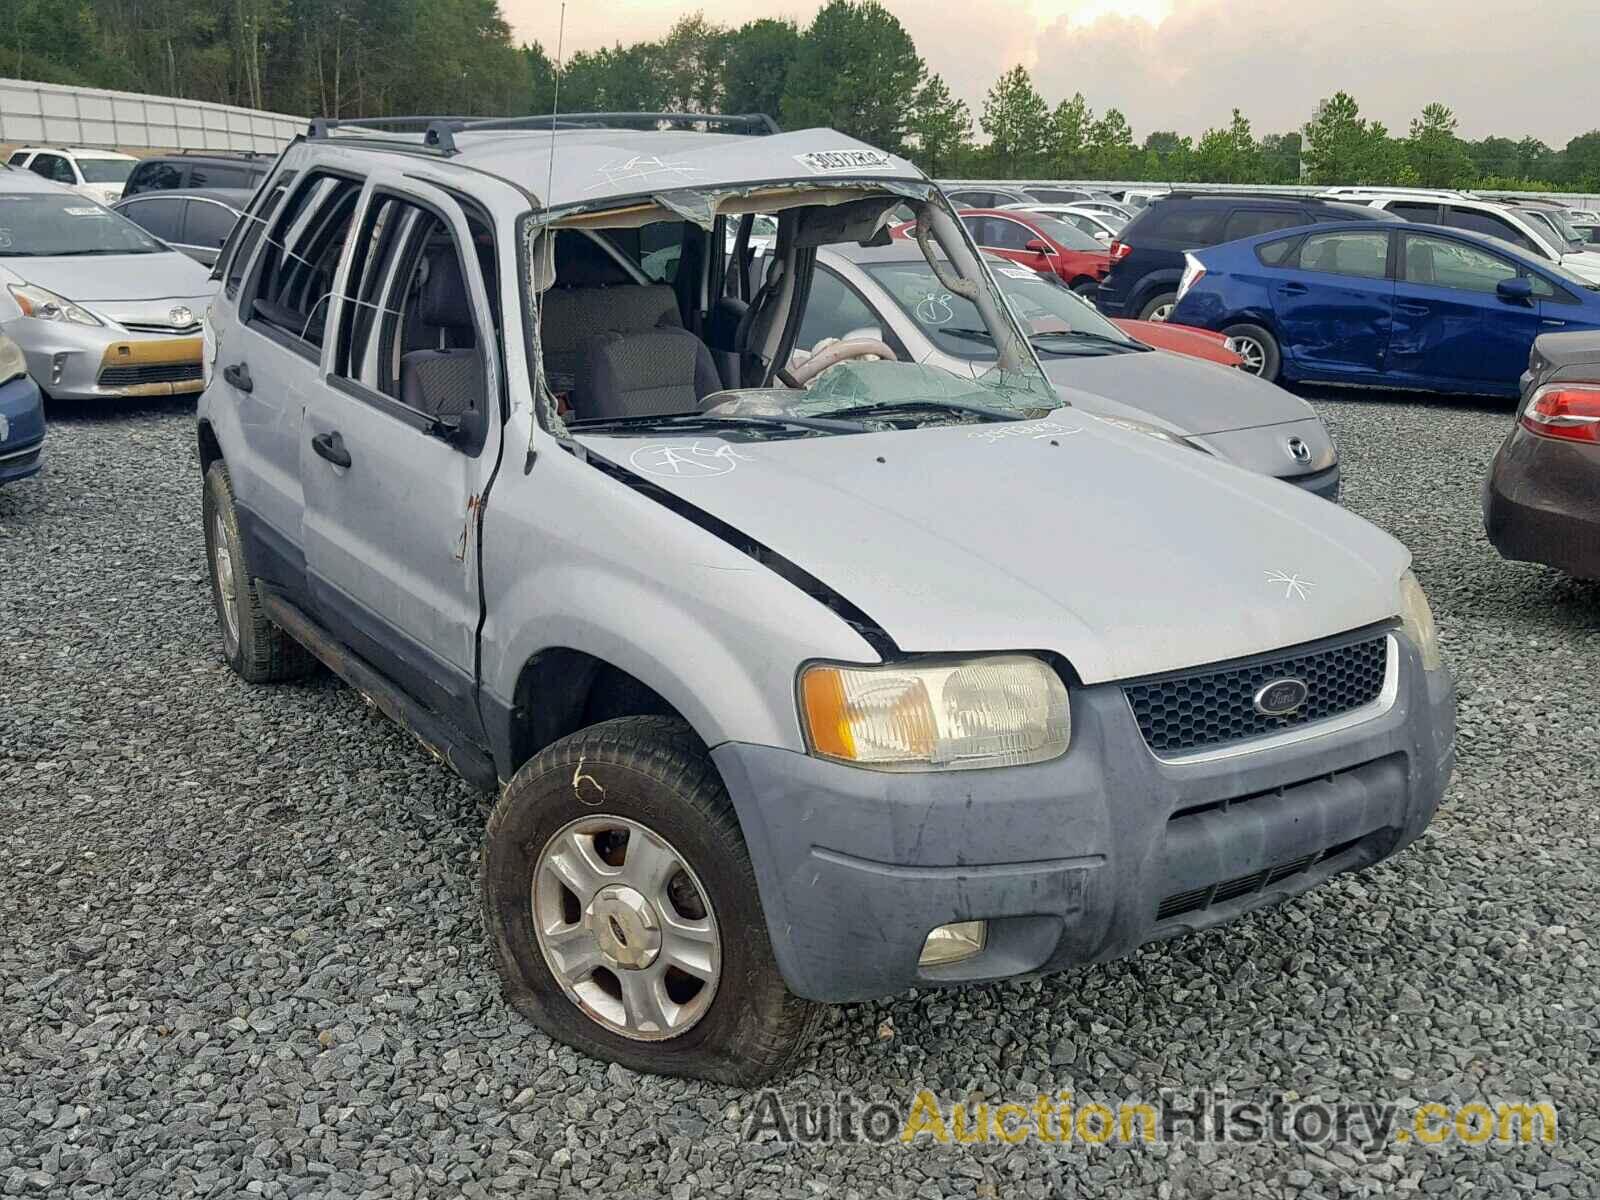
1126	555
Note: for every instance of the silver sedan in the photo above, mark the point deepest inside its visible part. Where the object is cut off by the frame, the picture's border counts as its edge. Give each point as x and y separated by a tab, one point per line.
890	294
99	307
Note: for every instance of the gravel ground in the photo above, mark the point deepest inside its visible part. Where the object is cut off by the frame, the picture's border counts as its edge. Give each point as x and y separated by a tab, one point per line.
241	950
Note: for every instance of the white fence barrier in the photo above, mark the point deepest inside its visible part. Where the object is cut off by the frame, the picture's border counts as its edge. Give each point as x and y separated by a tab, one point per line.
47	113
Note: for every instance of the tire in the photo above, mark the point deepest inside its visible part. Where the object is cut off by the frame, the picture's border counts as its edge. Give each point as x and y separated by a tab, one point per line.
257	650
1086	287
653	774
1158	307
1258	348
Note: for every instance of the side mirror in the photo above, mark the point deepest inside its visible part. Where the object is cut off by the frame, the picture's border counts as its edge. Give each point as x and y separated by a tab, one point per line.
1515	291
1101	235
1038	246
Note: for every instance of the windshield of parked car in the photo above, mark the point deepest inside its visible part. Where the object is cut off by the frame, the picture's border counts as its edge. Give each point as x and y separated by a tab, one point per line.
33	226
1057	321
105	170
1066	235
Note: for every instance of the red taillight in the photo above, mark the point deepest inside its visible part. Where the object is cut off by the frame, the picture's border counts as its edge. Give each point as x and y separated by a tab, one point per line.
1119	251
1569	413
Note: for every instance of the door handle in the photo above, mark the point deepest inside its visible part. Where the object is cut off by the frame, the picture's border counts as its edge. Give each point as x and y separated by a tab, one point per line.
1551	321
331	447
1293	289
1414	310
238	375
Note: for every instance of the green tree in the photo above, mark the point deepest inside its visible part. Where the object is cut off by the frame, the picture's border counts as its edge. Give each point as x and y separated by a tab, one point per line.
1111	150
1280	158
941	126
1436	156
1018	124
1342	147
756	65
1228	155
854	70
1582	161
1070	126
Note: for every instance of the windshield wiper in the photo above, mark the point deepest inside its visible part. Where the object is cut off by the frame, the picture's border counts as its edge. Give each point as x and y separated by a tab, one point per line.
894	406
1084	335
972	335
703	422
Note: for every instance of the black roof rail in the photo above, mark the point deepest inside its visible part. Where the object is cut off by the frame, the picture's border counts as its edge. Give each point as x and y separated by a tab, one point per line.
438	132
1226	193
221	153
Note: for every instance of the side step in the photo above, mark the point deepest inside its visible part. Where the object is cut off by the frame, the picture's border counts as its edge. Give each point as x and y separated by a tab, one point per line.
439	736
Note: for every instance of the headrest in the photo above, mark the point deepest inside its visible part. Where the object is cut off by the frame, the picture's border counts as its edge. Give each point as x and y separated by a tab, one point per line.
581	263
443	300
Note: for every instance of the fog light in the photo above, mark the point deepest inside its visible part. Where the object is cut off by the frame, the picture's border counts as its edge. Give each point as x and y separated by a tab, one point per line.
953	943
57	362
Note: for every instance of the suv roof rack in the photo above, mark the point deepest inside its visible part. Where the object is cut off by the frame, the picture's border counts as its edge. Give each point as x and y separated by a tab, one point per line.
1227	193
215	153
1431	193
438	133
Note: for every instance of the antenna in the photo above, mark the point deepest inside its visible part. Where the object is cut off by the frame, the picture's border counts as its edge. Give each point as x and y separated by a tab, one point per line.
555	100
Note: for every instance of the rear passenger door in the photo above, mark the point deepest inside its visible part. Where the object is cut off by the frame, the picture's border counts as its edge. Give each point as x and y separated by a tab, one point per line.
400	441
1334	303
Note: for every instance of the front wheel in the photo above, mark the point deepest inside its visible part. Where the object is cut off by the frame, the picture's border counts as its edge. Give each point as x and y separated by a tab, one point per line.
622	910
1258	348
1086	287
1159	307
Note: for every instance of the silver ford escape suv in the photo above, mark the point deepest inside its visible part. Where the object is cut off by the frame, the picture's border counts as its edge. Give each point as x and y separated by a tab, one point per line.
796	683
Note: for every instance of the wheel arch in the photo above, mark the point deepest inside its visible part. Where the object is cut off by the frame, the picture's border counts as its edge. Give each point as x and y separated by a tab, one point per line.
210	448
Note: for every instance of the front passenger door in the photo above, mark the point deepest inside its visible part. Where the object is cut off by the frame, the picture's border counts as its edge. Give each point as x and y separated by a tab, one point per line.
1451	329
400	439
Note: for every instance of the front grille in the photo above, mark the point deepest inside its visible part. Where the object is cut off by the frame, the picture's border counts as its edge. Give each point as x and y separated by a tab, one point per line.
1214	707
179	372
158	328
1196	899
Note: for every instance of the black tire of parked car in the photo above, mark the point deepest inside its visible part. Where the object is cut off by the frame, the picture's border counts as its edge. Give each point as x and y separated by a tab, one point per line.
652	770
1161	300
1086	287
1271	358
261	653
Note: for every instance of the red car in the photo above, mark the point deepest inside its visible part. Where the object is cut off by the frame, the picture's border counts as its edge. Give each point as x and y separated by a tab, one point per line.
1043	244
1180	339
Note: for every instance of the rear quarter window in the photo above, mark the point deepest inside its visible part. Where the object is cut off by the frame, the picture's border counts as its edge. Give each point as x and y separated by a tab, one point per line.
1181	225
1277	253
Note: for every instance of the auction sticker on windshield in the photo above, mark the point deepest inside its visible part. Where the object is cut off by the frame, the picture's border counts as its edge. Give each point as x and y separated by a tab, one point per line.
836	162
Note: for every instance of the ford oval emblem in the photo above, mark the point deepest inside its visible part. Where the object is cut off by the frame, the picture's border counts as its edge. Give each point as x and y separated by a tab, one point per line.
1280	697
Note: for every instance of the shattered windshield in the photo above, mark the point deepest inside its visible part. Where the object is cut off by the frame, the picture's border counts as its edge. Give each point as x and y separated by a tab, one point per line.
617	348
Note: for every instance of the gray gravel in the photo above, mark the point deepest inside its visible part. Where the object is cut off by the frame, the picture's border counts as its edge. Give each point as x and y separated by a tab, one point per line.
241	951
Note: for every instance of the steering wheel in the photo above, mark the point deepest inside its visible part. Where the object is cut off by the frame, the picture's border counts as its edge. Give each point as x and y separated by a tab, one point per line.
838	352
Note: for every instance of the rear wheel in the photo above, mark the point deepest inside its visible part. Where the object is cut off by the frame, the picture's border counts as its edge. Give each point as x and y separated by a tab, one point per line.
1258	348
1158	307
257	650
621	907
1085	287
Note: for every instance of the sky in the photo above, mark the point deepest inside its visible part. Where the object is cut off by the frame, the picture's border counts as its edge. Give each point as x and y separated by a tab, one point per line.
1507	67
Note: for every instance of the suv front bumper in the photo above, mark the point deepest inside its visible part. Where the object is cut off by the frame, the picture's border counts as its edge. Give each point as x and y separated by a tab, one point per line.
1070	861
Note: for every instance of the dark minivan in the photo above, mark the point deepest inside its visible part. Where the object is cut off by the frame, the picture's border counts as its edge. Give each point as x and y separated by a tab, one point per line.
1147	259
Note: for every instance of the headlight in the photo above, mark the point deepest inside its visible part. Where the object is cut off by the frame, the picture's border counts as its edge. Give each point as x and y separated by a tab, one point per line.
987	712
42	305
1155	431
1416	617
12	363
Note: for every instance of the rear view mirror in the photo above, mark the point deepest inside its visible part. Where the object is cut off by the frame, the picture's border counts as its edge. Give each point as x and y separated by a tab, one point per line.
1038	246
1515	290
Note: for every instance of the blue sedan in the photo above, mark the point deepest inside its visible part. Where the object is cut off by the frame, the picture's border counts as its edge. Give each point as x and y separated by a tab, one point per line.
21	416
1414	306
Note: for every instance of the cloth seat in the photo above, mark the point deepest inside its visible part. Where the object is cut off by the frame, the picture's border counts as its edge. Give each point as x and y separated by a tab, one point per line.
444	382
654	373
